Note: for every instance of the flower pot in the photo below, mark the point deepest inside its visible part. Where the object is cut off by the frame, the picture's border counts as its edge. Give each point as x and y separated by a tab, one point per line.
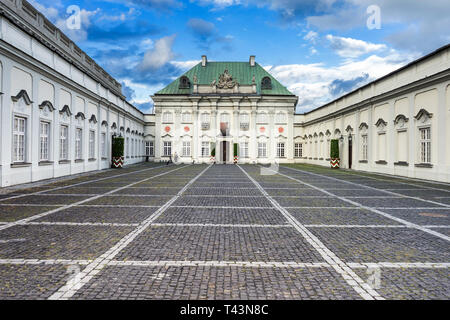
117	162
334	162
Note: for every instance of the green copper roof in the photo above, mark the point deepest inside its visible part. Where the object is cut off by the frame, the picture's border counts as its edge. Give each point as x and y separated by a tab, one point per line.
240	71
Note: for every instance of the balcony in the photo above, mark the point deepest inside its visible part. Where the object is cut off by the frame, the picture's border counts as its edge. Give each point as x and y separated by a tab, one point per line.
244	126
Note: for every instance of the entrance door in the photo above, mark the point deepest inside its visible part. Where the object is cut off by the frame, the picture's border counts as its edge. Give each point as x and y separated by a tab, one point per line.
350	151
224	151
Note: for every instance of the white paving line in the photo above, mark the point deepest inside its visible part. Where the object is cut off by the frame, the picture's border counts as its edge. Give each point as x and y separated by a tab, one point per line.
101	194
362	288
114	206
29	205
222	225
49	261
410	208
369	187
405	178
43	214
247	264
77	184
409	265
354	226
71	288
223	207
405	222
62	223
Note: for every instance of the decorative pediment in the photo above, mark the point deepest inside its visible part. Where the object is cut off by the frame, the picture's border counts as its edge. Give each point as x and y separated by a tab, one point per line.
104	123
305	137
328	133
167	135
93	119
149	135
244	136
122	129
321	134
349	129
381	123
337	132
363	126
226	81
280	136
22	95
47	105
424	115
114	126
80	115
65	110
133	132
400	120
310	136
315	134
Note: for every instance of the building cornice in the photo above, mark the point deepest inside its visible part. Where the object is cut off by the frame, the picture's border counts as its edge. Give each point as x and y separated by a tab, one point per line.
401	91
28	19
16	55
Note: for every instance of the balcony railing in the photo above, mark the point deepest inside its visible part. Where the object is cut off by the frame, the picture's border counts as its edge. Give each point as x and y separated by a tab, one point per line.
244	126
205	126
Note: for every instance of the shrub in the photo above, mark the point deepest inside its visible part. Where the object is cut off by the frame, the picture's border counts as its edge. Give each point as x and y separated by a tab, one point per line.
235	150
118	146
334	149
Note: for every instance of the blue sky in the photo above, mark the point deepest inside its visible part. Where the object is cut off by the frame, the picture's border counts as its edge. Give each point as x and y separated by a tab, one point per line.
319	49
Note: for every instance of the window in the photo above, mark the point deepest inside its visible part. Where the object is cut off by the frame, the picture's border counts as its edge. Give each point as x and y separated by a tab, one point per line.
91	144
382	146
103	145
132	147
167	117
298	150
205	117
280	149
167	150
44	130
128	147
425	145
186	117
243	150
261	118
266	83
78	143
280	118
186	152
19	139
364	148
262	150
64	143
149	148
205	149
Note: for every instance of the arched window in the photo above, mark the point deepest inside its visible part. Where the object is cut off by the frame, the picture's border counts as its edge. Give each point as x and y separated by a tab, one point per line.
186	117
266	83
185	83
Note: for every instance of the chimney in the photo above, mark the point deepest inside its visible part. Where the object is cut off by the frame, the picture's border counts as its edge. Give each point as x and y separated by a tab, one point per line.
204	61
252	61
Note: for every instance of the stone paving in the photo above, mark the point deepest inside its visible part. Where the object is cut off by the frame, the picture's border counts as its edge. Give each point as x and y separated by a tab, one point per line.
152	231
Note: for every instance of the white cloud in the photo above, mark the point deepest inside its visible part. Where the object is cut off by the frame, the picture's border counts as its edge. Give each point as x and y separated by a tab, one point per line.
313	82
185	65
419	25
311	36
352	48
159	55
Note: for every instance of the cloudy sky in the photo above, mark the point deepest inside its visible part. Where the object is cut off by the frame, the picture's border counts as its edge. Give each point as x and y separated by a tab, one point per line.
319	49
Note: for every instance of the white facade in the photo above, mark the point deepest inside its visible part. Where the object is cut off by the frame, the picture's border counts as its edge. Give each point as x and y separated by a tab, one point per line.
57	118
399	124
59	110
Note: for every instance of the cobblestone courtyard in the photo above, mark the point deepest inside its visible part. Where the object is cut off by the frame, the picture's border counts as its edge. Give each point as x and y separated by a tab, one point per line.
226	232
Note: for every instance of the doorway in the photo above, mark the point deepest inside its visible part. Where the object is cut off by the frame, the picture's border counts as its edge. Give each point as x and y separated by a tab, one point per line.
350	151
224	151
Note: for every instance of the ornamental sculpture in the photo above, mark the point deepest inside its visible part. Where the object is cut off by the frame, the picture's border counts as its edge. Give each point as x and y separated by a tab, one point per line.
226	81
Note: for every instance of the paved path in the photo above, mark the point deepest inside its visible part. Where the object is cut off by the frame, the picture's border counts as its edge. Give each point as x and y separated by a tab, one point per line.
226	232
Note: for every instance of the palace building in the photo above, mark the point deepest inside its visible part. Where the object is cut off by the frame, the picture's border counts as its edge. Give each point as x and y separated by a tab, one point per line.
59	111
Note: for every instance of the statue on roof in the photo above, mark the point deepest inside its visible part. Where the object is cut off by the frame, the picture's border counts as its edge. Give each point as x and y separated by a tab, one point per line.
195	79
226	81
